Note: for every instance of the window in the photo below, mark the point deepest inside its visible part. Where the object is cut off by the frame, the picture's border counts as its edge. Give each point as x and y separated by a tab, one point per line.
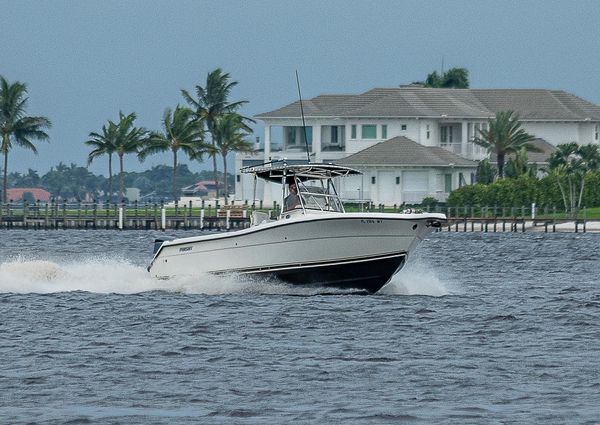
403	127
353	133
334	135
476	129
369	131
373	180
447	183
237	178
428	131
384	131
596	133
308	135
291	135
446	135
397	180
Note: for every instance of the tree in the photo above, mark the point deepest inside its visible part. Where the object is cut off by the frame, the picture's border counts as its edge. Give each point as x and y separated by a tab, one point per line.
31	179
229	136
70	182
457	78
16	128
485	172
181	132
128	139
104	143
503	136
211	102
570	164
519	165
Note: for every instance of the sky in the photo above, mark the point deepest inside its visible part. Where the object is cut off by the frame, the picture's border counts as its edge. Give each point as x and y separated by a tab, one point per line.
84	61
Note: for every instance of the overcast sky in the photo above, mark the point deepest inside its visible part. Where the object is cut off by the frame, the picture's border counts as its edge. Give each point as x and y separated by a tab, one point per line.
83	61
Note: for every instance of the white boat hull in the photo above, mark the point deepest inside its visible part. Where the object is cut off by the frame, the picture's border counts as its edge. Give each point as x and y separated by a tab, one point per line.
343	250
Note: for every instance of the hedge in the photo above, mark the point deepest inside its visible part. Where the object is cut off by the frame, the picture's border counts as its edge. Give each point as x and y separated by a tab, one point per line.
524	190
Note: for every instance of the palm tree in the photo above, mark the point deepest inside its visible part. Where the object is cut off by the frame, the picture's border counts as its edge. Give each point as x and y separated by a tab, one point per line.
16	127
457	78
570	164
213	101
128	139
181	132
519	165
229	136
503	136
104	144
485	172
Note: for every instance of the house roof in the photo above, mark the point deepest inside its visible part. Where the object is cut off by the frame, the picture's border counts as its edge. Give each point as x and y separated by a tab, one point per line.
546	149
204	185
16	194
414	101
402	151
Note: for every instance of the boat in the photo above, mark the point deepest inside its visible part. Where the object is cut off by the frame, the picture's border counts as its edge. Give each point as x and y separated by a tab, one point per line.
312	242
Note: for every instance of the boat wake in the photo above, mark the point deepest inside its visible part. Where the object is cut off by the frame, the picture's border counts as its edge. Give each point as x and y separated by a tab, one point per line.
417	279
110	276
106	276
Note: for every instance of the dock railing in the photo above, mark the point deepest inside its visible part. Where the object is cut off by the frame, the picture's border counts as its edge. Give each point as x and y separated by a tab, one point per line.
158	216
516	219
131	215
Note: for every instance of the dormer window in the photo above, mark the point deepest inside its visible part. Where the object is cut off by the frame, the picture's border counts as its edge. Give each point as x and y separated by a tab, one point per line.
369	131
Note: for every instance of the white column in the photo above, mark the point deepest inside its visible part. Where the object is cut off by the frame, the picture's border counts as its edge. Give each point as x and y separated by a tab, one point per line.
238	186
316	143
121	218
267	194
464	139
267	143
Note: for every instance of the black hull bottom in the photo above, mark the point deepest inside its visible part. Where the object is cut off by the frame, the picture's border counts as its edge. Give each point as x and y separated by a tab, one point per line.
367	274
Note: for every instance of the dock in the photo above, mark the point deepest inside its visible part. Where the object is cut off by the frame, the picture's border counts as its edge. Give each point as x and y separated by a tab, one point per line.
512	224
158	216
132	216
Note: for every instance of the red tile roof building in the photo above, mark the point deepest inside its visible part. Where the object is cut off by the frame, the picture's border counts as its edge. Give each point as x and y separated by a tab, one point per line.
16	194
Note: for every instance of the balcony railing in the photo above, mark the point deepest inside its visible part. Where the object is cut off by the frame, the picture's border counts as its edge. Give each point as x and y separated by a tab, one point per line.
453	147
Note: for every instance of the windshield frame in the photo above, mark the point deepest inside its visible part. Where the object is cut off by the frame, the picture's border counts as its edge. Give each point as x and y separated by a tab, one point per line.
321	196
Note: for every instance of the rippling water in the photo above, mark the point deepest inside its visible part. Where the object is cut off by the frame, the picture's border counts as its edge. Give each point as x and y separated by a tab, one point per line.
478	328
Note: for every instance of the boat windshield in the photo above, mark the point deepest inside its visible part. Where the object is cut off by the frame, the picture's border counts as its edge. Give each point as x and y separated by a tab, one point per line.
320	197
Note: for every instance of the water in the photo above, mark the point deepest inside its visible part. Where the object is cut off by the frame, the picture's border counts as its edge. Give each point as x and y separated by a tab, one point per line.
478	328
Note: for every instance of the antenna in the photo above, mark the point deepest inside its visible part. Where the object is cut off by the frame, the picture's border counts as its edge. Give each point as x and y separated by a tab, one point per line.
302	113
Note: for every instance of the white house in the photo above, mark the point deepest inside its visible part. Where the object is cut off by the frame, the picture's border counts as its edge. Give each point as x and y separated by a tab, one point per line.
409	126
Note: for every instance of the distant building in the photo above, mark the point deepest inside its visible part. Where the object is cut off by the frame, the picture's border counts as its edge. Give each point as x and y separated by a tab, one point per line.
341	126
20	194
132	194
202	189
